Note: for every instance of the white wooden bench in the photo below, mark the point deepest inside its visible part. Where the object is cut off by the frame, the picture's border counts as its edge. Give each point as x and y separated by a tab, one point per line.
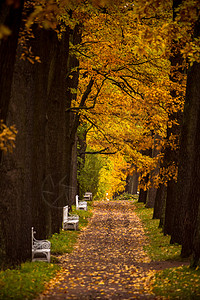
71	221
88	196
41	249
80	204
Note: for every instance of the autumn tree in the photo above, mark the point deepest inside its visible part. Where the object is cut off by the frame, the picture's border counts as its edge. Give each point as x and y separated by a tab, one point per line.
128	68
36	180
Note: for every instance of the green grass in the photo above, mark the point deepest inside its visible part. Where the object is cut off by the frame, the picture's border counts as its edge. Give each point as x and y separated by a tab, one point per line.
178	283
28	280
64	241
126	196
174	283
159	247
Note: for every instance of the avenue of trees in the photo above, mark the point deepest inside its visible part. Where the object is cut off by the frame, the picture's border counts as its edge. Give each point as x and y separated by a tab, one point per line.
101	95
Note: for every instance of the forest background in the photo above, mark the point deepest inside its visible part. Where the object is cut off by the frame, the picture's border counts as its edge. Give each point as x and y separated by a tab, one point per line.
98	96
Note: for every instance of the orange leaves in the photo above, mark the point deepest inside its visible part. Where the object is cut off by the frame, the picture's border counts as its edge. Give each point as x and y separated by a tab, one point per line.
7	137
126	52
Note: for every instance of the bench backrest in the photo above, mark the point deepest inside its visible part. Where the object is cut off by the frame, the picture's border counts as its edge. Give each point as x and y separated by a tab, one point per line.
76	200
32	233
65	214
39	244
88	196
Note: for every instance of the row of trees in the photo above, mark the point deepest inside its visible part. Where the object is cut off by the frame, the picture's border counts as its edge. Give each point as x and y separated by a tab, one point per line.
149	108
110	74
37	179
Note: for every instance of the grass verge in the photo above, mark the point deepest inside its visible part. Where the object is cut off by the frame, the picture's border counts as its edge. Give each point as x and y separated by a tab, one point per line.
64	241
174	283
159	247
29	280
177	283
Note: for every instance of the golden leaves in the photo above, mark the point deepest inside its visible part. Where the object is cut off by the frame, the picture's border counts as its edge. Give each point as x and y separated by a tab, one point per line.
7	137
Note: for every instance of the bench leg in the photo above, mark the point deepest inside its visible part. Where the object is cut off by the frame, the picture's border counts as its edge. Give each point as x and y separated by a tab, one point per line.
48	257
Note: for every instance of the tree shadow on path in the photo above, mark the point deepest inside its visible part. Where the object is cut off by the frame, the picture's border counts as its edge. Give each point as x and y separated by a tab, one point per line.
109	261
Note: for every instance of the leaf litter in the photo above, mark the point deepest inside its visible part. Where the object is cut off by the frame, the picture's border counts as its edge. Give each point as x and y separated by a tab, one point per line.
108	261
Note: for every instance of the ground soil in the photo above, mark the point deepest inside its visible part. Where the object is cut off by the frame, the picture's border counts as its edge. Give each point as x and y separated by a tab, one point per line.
109	261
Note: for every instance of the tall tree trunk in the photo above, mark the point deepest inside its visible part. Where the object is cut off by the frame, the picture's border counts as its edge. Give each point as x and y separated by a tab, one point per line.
188	177
143	193
82	146
51	155
187	200
72	119
15	177
151	196
172	155
151	193
142	196
33	178
132	183
159	206
195	188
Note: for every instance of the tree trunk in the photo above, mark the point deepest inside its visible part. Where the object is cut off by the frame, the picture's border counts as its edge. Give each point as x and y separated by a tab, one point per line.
172	155
142	196
151	196
82	146
159	206
151	193
132	183
16	170
188	177
187	200
72	119
33	178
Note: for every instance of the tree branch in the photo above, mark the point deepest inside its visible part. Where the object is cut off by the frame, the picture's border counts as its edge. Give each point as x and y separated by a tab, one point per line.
102	151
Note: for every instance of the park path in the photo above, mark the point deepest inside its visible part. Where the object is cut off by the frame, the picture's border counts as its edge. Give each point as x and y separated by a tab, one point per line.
109	261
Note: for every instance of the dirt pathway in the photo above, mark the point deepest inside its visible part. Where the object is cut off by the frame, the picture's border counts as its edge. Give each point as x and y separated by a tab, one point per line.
108	261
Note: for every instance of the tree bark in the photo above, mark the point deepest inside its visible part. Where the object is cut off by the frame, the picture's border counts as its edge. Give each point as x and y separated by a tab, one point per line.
132	183
39	162
72	118
187	201
159	206
151	193
142	196
151	196
188	177
172	155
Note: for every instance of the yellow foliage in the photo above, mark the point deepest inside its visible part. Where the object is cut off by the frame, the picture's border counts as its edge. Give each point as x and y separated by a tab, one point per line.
113	175
126	52
7	137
